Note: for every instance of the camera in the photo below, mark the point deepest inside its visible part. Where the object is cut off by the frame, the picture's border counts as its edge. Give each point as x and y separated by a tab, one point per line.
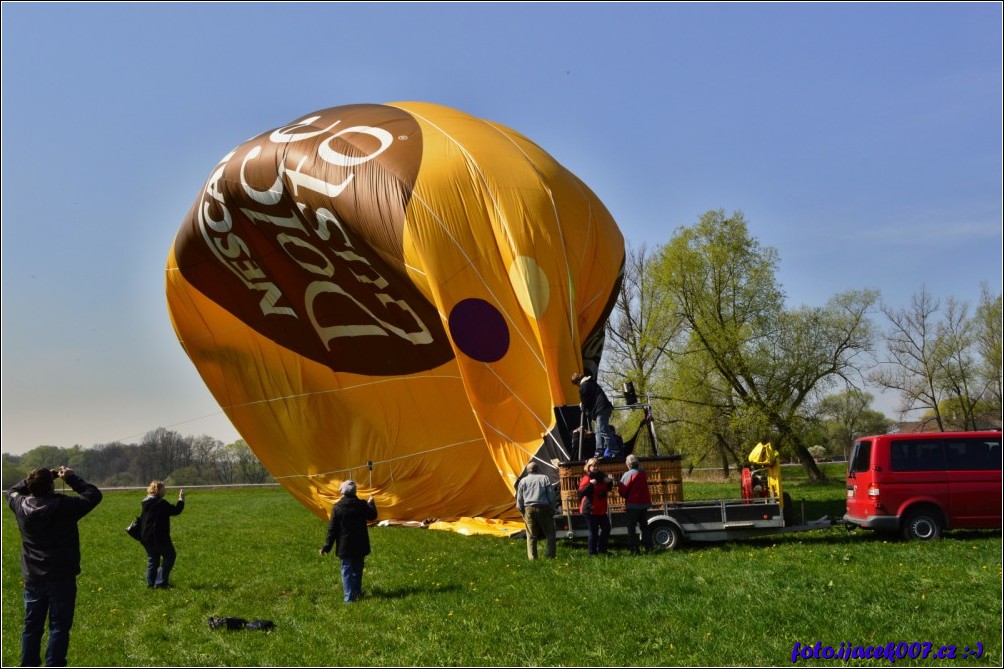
54	473
597	475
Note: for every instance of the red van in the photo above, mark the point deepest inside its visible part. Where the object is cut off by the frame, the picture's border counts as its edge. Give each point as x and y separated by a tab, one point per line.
921	484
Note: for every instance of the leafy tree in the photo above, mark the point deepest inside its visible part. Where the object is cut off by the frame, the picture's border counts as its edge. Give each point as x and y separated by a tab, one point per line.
988	335
773	361
237	463
191	475
642	324
13	470
706	420
848	415
249	469
44	456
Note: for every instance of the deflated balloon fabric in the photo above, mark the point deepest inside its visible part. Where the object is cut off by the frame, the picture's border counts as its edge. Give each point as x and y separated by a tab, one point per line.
395	294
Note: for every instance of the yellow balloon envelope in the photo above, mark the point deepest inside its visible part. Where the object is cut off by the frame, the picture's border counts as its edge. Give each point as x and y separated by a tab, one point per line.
395	294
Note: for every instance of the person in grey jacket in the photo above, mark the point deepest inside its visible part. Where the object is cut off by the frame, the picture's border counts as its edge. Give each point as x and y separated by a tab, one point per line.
50	558
349	533
536	501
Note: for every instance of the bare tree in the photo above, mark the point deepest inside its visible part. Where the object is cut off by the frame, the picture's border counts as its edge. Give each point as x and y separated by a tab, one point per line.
642	325
205	452
957	373
912	367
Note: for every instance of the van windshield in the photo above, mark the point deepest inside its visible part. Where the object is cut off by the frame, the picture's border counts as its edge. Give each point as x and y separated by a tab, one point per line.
861	457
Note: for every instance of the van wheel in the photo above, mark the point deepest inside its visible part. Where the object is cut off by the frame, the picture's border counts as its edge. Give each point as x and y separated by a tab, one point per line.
923	525
666	535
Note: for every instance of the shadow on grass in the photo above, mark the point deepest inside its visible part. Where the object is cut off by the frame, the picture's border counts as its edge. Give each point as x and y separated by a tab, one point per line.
409	591
969	535
844	534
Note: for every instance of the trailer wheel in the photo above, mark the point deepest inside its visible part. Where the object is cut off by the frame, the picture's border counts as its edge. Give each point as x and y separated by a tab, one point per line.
666	535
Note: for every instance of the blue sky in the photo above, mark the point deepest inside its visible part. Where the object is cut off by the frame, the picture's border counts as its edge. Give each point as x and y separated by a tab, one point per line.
861	140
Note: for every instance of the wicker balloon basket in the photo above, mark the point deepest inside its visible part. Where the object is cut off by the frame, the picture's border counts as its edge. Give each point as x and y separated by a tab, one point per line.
665	481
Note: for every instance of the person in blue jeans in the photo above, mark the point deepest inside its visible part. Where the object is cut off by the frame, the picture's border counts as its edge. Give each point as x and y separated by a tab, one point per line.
155	534
596	406
348	532
50	558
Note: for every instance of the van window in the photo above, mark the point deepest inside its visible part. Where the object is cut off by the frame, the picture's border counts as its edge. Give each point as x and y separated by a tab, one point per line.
861	457
916	455
973	454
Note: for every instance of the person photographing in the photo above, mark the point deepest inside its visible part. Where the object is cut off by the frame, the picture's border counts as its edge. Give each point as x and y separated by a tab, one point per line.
50	558
156	534
594	487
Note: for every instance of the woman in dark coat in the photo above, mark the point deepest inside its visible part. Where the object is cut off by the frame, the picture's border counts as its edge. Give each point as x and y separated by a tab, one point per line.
155	520
349	534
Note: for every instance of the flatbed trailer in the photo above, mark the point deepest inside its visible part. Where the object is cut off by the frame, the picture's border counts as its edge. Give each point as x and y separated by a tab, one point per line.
674	520
701	520
763	510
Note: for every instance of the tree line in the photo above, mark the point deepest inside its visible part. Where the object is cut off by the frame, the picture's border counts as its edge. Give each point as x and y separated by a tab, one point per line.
701	328
162	455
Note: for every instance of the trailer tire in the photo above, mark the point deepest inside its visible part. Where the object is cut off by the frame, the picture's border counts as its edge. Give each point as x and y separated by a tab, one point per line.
666	535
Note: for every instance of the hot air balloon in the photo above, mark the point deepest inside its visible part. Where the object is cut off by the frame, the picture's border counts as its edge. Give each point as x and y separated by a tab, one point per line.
397	294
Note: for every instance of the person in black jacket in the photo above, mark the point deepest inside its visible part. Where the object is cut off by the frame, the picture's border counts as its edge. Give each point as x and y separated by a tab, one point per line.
596	406
155	520
349	534
50	558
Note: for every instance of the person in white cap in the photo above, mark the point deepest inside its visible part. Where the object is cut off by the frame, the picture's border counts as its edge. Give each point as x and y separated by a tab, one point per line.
536	502
348	532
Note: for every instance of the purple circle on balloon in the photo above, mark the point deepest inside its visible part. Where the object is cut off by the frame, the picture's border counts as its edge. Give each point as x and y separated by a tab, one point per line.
479	330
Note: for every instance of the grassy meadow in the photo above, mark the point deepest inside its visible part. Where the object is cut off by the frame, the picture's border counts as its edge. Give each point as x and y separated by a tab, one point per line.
441	599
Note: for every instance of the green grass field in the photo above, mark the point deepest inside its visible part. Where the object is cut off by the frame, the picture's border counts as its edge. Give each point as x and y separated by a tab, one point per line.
441	599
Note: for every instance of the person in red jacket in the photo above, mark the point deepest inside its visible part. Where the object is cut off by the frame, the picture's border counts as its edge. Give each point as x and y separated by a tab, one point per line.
593	490
633	488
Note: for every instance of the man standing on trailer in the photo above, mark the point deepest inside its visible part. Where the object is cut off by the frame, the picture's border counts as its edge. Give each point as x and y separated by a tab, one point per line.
596	406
